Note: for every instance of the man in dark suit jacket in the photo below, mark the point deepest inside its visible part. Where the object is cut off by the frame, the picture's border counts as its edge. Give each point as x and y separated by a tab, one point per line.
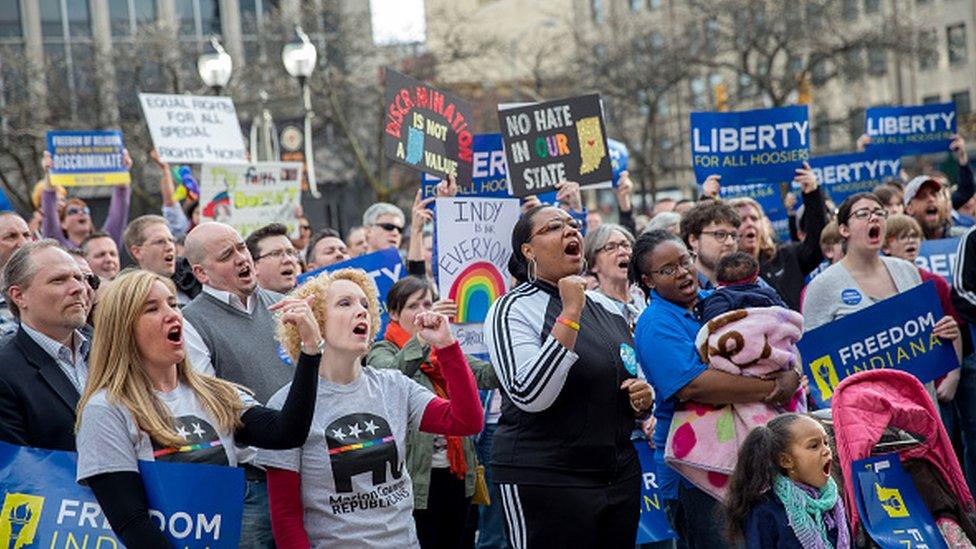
43	368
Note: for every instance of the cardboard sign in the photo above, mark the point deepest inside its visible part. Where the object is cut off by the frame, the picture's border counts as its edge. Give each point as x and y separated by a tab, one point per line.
653	525
489	174
195	506
895	333
563	140
756	152
385	267
474	243
191	129
911	130
87	158
938	256
890	506
249	196
841	175
426	128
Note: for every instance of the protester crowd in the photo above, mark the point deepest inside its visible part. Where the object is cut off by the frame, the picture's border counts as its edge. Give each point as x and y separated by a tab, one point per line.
205	349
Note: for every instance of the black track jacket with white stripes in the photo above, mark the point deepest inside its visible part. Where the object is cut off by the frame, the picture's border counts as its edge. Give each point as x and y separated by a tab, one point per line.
565	421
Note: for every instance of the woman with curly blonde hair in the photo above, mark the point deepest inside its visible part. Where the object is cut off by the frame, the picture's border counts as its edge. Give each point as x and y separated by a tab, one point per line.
143	401
347	486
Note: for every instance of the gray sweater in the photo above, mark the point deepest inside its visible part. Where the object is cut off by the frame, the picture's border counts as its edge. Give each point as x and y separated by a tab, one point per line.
242	346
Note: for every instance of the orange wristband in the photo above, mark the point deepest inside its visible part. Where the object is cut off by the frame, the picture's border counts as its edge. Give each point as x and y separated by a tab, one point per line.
568	323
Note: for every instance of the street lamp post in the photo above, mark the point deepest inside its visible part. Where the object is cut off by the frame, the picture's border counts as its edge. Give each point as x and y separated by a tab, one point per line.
299	57
215	66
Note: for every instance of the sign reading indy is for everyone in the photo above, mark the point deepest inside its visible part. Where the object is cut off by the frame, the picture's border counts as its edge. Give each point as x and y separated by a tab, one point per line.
426	128
191	129
562	140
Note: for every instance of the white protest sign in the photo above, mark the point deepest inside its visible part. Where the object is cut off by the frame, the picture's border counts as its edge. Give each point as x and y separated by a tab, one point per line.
193	129
474	242
249	196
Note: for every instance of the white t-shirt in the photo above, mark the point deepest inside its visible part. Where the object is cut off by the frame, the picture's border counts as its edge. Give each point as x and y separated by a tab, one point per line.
109	440
356	490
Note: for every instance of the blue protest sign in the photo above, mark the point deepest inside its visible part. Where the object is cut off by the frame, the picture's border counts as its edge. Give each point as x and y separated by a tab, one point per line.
938	256
488	171
894	333
890	506
5	202
653	525
619	158
195	506
385	267
756	153
87	158
841	175
911	130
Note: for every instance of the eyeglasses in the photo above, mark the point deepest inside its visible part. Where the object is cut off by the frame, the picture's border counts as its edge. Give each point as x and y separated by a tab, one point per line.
867	213
93	281
557	224
722	236
305	227
614	246
908	237
280	254
388	227
75	210
671	270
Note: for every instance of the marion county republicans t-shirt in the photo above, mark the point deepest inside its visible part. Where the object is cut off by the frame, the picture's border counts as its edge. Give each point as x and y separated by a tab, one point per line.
109	440
356	491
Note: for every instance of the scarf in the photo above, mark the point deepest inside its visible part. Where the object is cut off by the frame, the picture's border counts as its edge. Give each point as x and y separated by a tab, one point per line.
432	369
810	512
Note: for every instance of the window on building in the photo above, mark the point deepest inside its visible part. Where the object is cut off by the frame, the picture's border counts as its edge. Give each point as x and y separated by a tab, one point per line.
855	123
79	20
956	42
699	93
928	55
747	88
850	10
961	99
597	11
821	131
255	13
853	65
872	6
657	40
13	83
653	4
127	15
51	18
930	99
10	18
635	5
818	72
877	61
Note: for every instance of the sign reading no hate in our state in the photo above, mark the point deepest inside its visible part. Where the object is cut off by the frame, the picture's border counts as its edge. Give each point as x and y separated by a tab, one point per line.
192	129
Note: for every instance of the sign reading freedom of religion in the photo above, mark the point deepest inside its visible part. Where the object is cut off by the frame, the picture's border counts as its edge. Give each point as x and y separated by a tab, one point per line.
426	128
755	152
249	196
474	243
191	129
911	130
894	333
87	158
562	140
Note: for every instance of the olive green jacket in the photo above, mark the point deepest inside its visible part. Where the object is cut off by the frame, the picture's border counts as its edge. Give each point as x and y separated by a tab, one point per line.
420	446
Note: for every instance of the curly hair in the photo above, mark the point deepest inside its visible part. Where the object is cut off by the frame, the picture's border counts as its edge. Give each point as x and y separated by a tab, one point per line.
319	287
705	212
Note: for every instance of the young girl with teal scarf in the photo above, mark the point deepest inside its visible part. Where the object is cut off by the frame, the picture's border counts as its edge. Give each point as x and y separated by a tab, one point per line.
781	494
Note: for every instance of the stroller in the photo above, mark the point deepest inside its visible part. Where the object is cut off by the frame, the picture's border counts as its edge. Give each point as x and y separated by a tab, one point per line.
888	411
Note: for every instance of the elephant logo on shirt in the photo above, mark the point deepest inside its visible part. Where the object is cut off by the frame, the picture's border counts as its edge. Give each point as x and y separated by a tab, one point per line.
203	444
360	443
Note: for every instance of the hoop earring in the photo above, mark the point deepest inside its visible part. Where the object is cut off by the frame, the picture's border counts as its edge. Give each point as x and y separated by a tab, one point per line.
530	271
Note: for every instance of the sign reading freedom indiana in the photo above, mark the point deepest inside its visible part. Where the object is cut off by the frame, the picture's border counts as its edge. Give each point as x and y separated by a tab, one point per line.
426	128
895	333
87	158
911	130
562	140
756	153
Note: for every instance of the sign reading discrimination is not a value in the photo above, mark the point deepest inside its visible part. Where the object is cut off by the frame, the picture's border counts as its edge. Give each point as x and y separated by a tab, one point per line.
562	140
193	129
81	158
427	128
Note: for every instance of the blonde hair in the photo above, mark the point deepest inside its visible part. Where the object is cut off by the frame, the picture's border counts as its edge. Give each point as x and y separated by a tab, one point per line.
319	287
38	191
116	365
900	225
767	246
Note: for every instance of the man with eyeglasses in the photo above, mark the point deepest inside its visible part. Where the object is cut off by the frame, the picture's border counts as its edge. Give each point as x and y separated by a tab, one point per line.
276	263
384	224
710	229
149	243
14	233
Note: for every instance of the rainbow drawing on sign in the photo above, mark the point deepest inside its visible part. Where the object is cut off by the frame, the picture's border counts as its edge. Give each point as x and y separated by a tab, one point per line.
474	290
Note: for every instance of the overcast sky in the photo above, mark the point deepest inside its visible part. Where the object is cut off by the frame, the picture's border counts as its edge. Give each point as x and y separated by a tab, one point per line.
398	21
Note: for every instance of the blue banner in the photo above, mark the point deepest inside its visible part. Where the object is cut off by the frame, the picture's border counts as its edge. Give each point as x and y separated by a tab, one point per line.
5	202
653	525
938	256
488	170
841	175
911	130
195	506
385	267
890	506
895	333
619	158
756	152
87	158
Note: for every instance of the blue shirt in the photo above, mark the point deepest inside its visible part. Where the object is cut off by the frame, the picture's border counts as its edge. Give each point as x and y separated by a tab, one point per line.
665	341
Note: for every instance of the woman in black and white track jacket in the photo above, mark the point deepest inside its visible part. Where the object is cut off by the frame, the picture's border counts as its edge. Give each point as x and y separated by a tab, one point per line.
568	473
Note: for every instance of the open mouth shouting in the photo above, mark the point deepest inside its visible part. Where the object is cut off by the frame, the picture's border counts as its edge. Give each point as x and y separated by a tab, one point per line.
874	234
826	467
245	274
574	249
175	335
288	272
361	329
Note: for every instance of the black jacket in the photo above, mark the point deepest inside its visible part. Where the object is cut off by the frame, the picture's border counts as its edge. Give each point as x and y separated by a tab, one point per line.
738	296
37	401
786	270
